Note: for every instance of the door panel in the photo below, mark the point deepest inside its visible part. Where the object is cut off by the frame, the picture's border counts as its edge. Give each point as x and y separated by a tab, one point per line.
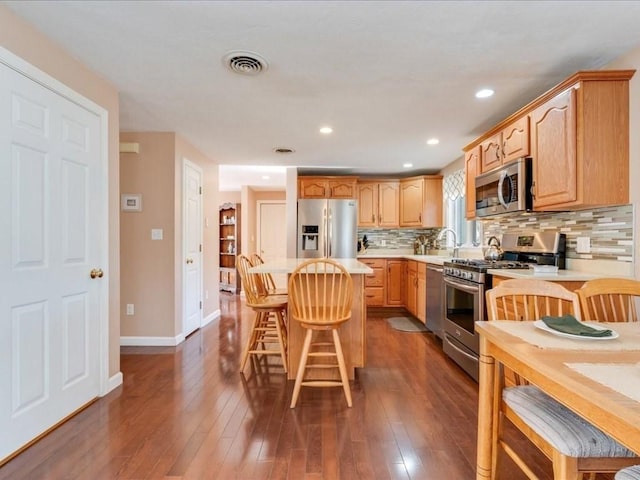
271	244
193	255
52	204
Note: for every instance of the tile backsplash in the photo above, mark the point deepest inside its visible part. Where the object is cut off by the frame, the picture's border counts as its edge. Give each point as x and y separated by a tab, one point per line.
610	230
395	238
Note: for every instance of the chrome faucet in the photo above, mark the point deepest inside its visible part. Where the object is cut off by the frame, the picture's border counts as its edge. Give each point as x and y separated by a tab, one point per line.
456	245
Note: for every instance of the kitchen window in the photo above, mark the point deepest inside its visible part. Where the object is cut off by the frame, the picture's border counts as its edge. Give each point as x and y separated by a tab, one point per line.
469	232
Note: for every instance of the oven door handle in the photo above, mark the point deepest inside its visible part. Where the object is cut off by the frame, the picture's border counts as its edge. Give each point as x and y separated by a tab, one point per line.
462	286
459	350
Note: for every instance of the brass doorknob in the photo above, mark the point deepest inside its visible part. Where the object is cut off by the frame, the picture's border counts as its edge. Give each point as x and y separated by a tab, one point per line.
96	273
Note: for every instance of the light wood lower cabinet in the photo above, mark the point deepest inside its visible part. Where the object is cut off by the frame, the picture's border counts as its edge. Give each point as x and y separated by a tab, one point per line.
417	289
395	283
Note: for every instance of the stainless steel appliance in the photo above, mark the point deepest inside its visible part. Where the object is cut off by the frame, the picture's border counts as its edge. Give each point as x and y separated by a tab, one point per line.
506	189
465	283
435	299
327	228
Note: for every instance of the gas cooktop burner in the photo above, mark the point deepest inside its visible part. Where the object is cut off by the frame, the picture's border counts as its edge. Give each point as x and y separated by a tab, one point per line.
480	264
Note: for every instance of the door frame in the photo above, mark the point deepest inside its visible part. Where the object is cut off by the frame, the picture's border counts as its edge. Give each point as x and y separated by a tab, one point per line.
188	163
35	74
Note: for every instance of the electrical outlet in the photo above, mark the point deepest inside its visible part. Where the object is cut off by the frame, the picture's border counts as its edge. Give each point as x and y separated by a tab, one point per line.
130	309
584	245
383	243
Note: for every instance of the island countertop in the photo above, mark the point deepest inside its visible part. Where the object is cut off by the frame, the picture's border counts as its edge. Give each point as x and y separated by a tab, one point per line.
288	265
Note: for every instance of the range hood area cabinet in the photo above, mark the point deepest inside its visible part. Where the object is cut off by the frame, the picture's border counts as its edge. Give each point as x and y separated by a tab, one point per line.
421	201
578	139
379	204
327	187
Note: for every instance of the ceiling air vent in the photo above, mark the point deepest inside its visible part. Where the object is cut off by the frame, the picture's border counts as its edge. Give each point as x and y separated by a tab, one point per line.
245	63
283	150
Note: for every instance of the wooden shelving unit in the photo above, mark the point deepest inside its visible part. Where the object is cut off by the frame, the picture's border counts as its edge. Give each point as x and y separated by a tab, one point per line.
229	218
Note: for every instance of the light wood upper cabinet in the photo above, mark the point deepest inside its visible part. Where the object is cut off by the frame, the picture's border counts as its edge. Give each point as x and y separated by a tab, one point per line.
378	204
421	201
471	161
327	187
505	146
554	148
577	135
580	144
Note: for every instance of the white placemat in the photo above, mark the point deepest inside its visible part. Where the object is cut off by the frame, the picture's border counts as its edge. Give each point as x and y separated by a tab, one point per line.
624	378
629	338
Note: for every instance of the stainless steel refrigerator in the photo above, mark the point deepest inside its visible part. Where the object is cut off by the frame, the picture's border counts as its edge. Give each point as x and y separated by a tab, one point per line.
327	228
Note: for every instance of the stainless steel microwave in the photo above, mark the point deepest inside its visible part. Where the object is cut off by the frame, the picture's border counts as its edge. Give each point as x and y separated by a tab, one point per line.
505	189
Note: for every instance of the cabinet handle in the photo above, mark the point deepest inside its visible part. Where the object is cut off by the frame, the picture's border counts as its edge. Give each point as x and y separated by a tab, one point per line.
420	217
373	218
532	190
379	218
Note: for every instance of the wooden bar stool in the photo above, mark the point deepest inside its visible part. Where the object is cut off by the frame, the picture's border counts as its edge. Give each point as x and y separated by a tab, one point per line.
267	280
320	298
609	299
269	326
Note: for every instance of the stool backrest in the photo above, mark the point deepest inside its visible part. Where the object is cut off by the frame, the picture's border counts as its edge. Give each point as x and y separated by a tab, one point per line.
610	299
266	278
320	292
251	282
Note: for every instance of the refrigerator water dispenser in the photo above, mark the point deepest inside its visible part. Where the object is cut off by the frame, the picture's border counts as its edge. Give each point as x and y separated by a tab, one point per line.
310	237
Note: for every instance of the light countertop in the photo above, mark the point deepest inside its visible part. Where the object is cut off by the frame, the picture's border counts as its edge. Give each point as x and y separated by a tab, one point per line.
288	265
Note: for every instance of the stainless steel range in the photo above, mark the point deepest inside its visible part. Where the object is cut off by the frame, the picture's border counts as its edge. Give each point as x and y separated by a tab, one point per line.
466	281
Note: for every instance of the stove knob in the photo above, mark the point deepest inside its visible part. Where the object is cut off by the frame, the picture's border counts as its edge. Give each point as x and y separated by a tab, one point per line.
468	275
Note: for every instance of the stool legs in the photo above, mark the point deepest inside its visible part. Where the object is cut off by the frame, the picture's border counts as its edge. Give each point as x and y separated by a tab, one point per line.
268	327
304	358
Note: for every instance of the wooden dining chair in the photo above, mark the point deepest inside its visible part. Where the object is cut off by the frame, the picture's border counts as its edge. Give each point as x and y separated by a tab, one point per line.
610	299
267	280
321	298
573	445
269	324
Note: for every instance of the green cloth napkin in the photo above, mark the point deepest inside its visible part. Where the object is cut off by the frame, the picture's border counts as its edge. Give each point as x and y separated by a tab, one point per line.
569	324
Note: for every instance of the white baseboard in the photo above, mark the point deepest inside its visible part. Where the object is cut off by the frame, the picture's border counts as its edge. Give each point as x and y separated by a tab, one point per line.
114	382
151	341
211	317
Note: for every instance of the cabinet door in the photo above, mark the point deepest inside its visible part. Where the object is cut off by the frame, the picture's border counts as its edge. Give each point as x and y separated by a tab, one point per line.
515	140
342	188
395	282
367	204
431	215
471	159
411	200
313	188
412	286
421	293
553	148
389	204
490	153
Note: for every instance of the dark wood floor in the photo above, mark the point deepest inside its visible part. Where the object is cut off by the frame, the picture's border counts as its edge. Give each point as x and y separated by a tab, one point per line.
187	413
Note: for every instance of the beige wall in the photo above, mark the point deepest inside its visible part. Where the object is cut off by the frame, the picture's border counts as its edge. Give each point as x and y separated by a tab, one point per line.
152	269
147	267
229	197
26	42
631	60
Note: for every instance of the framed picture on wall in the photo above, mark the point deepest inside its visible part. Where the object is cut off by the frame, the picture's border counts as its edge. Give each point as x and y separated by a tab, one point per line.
131	202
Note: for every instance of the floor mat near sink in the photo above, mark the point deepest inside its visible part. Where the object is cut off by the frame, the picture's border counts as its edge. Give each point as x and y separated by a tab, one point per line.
407	324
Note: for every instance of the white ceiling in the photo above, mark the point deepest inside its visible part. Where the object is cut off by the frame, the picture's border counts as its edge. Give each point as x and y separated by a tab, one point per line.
386	76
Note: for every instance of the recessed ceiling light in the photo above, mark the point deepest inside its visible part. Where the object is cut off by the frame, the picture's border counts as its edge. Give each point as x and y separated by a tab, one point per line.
326	130
484	93
407	165
266	177
433	141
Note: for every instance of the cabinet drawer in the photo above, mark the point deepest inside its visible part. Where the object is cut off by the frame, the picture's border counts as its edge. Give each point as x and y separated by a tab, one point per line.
374	296
375	279
373	262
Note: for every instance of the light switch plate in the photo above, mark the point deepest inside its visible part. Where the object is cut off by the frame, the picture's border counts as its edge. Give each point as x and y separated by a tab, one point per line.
584	245
156	234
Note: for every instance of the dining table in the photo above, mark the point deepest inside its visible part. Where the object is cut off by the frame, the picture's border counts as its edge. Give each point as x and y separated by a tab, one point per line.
597	379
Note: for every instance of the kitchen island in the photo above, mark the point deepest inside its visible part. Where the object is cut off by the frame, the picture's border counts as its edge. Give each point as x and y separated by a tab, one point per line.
352	333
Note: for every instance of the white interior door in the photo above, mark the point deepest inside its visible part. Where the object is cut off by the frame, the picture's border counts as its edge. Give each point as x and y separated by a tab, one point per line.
272	243
192	201
52	217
